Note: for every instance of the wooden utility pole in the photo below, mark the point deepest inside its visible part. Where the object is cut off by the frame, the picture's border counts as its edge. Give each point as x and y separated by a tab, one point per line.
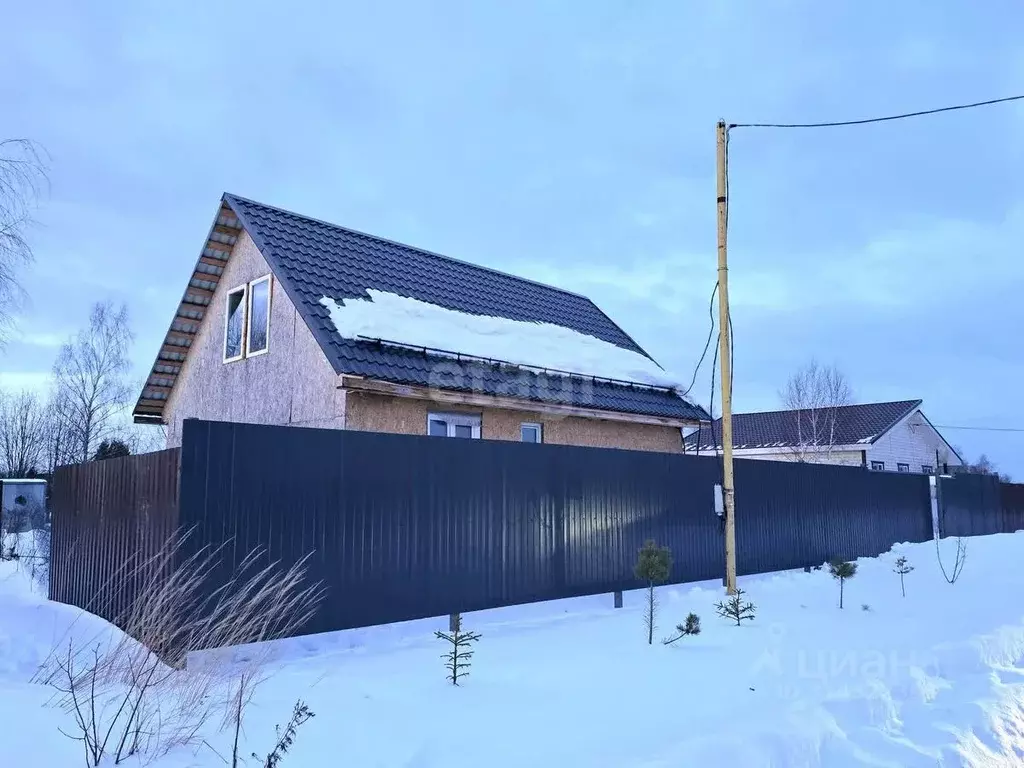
725	361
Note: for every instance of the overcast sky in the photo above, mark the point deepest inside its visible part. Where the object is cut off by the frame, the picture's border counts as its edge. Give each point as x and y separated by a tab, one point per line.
571	142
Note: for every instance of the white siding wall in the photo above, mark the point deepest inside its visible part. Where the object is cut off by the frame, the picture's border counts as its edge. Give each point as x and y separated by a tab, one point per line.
912	441
846	458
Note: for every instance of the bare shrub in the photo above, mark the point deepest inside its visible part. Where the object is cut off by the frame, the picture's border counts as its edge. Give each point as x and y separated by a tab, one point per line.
132	694
300	714
958	559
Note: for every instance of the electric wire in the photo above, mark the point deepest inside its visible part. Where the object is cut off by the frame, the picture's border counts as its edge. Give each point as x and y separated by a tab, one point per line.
887	118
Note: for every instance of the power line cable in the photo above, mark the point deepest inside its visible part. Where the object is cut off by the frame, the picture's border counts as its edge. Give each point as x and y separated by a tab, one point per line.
707	344
887	118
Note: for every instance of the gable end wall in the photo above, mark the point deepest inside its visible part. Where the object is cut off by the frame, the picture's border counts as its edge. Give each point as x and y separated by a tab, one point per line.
292	384
912	441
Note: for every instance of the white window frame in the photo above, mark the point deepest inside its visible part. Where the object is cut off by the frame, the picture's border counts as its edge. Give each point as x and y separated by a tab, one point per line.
248	314
879	468
902	466
452	420
244	288
532	425
927	469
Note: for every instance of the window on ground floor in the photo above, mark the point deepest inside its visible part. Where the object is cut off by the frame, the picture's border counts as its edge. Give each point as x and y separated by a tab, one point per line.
453	425
878	466
531	433
902	467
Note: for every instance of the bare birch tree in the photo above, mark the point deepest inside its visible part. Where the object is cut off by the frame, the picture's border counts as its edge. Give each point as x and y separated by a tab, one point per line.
815	394
58	448
23	178
91	378
21	433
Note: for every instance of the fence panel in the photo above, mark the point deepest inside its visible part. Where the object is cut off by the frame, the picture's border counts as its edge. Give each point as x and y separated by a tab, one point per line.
970	505
791	515
109	517
401	527
1012	499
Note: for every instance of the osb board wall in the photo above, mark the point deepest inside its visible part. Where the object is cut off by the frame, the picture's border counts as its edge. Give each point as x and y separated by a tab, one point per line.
292	384
377	413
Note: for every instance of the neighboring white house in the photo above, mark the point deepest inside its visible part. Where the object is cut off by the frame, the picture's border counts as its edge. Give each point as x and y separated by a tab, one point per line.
892	437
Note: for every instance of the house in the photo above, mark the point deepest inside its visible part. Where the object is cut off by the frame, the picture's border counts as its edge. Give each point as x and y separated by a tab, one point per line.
895	437
293	321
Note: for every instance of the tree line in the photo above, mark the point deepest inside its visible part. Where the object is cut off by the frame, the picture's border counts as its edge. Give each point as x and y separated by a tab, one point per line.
85	414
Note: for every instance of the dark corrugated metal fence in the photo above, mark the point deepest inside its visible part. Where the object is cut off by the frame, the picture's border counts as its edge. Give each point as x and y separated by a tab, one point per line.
402	527
109	519
1013	506
791	515
978	505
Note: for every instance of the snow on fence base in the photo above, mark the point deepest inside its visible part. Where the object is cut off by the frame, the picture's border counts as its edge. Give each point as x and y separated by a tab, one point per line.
401	527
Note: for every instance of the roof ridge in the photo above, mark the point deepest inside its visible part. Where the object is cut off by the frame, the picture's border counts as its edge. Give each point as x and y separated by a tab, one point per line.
849	405
418	249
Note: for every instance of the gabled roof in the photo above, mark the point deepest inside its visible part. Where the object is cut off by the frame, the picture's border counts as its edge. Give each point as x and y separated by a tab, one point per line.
312	259
861	424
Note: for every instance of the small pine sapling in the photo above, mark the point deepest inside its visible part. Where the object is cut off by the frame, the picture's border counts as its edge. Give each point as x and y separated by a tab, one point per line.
902	567
457	659
735	609
300	714
691	627
842	570
653	565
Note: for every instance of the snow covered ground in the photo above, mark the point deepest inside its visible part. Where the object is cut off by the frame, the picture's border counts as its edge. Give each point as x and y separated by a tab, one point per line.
931	679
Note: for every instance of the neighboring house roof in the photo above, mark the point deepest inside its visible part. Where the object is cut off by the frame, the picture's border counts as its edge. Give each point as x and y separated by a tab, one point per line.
855	424
313	259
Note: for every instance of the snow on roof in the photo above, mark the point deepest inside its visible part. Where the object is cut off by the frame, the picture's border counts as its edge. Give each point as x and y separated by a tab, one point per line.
22	480
390	317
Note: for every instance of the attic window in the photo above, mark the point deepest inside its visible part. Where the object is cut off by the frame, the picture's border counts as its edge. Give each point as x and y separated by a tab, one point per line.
234	325
259	317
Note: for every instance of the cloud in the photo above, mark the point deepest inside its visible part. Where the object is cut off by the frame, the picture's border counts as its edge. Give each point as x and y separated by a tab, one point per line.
17	381
42	339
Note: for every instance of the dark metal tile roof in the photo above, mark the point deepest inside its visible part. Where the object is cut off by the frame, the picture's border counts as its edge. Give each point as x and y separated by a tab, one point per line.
314	259
862	423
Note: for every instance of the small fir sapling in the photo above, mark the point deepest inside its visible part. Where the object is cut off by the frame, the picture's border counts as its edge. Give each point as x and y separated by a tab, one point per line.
457	659
691	627
734	609
842	570
902	567
653	565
